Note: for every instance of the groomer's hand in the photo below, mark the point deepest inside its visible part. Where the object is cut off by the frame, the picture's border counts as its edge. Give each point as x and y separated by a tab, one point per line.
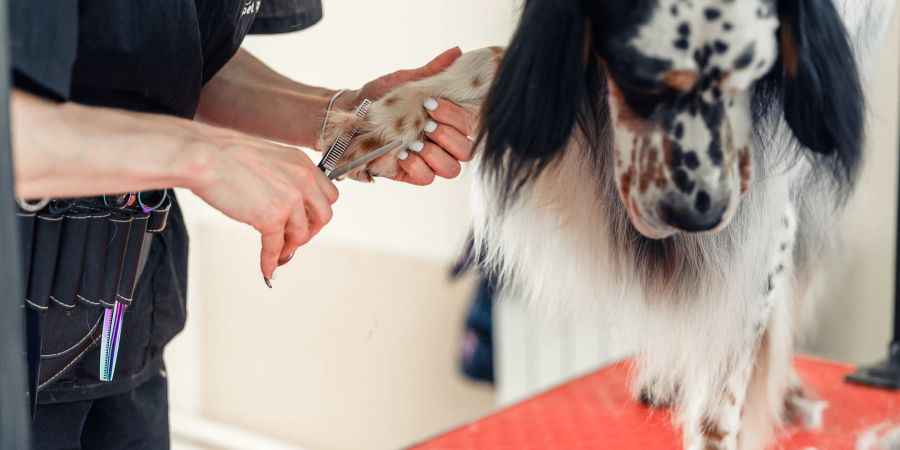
447	144
273	188
447	133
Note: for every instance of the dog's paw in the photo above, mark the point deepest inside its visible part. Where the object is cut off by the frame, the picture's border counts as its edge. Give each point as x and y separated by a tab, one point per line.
400	114
802	408
647	398
654	391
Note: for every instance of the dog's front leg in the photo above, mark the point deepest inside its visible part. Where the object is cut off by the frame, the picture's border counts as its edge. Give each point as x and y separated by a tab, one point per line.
800	406
715	418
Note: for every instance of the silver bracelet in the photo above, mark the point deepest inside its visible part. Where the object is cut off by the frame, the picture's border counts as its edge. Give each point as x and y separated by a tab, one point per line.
328	109
29	206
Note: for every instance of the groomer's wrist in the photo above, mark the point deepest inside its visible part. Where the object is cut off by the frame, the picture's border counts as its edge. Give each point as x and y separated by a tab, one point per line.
335	100
299	120
192	168
314	114
347	101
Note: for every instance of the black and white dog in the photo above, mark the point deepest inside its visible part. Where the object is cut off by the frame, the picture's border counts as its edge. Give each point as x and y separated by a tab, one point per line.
676	162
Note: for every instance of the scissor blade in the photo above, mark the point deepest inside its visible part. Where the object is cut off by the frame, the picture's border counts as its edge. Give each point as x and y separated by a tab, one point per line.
363	160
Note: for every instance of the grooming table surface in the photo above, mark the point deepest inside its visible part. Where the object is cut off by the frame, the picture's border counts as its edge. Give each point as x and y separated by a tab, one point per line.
596	411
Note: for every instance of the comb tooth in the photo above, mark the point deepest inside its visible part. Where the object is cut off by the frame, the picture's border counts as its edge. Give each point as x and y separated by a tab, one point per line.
363	108
332	160
341	143
336	151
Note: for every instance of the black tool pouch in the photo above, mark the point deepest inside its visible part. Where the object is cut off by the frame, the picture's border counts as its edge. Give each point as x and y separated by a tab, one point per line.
79	261
159	217
71	325
119	229
26	231
45	247
94	262
132	259
67	276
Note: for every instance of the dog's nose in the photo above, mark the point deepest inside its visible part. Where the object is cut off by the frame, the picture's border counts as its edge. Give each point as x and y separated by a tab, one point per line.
693	220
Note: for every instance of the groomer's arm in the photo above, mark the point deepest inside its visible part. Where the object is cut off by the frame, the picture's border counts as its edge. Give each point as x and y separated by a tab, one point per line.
69	150
247	95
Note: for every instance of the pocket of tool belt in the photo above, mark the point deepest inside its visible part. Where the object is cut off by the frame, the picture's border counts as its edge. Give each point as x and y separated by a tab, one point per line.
78	263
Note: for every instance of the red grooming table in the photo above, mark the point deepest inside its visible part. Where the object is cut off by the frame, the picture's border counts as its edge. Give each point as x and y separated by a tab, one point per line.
596	412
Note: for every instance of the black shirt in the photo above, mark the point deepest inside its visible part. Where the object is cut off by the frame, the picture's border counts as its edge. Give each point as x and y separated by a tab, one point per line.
149	56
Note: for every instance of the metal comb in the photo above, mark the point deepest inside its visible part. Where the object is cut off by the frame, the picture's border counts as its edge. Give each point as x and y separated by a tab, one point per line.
336	151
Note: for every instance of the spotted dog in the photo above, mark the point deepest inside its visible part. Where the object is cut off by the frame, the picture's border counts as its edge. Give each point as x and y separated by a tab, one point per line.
675	162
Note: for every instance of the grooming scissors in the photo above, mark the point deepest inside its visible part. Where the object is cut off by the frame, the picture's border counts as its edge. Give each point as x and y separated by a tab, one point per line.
123	201
328	165
365	159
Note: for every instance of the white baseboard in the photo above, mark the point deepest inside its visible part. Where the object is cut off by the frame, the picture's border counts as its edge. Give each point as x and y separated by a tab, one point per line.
192	432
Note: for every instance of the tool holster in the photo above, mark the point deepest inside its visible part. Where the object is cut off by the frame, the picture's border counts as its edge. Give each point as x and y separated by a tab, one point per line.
79	257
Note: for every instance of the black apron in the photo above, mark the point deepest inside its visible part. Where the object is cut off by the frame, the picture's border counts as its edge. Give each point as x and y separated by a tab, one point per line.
147	56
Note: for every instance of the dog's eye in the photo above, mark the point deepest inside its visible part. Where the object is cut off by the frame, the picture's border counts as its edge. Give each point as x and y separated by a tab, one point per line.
648	88
645	99
638	84
635	73
632	69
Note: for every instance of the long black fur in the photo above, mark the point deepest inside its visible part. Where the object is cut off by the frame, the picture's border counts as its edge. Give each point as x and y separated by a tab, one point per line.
550	81
540	84
822	100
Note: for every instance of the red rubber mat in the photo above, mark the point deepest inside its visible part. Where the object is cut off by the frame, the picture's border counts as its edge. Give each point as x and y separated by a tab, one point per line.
597	412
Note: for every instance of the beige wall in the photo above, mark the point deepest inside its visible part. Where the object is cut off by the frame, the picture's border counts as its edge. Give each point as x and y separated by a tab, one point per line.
855	320
356	346
351	350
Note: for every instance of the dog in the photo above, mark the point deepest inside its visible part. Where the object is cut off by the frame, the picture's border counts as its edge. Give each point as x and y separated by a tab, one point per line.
677	162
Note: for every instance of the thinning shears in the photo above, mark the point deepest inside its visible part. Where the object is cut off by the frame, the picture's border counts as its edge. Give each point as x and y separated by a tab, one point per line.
328	165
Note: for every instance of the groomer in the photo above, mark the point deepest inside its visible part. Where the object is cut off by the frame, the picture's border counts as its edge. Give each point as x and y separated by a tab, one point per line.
136	95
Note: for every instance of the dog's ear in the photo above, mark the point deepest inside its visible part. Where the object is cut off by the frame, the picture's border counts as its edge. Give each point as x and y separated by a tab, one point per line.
533	104
823	99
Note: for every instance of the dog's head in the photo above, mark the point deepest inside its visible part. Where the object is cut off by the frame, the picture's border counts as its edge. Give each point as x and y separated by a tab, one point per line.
681	82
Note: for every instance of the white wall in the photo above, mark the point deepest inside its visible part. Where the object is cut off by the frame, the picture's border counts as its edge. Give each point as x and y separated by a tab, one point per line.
365	324
855	320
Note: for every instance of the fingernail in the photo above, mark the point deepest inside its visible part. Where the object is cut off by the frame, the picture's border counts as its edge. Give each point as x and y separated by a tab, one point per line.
274	274
430	126
286	259
416	146
430	104
402	155
268	282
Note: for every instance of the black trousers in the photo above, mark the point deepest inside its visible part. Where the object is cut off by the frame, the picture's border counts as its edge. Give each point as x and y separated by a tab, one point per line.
137	419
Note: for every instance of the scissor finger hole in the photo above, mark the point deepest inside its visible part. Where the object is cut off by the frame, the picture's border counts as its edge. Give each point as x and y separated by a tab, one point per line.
151	200
119	201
